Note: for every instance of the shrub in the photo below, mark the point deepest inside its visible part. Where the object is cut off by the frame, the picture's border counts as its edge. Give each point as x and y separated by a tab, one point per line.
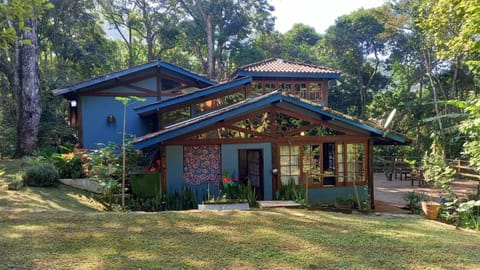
247	192
291	192
40	174
413	200
469	213
69	165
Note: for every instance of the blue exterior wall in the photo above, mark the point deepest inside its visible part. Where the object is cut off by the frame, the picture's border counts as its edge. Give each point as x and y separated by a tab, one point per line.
330	195
230	162
96	129
175	180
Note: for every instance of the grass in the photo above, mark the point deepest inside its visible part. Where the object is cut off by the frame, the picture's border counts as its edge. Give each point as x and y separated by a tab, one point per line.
37	199
58	231
279	239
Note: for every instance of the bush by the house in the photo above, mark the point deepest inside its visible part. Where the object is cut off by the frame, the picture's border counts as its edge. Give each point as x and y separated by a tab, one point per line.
184	200
40	174
70	165
291	192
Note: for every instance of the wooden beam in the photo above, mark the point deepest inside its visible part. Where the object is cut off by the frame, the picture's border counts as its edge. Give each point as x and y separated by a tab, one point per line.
80	122
248	131
369	173
299	130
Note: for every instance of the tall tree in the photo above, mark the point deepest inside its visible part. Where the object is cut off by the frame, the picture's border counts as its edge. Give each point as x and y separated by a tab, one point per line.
454	27
148	28
73	48
355	43
300	43
19	63
214	27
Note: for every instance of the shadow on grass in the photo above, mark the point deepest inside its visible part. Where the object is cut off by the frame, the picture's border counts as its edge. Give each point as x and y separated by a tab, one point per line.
278	239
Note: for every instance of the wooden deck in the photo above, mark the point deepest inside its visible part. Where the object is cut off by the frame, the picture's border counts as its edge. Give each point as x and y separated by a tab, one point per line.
273	204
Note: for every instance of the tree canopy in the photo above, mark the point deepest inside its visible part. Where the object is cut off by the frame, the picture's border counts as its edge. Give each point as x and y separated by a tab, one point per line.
409	55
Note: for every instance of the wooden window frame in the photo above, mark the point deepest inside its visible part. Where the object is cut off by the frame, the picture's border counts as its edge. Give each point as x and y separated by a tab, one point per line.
304	176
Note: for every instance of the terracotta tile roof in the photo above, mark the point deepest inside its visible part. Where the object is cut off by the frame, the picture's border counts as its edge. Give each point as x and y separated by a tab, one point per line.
283	66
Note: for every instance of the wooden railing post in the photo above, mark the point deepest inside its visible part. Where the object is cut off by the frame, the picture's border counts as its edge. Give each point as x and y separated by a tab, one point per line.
459	164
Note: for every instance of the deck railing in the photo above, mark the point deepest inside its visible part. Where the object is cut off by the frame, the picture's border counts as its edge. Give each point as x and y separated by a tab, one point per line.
392	164
464	170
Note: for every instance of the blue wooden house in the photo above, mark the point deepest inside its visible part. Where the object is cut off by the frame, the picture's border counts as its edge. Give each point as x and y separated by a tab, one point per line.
269	123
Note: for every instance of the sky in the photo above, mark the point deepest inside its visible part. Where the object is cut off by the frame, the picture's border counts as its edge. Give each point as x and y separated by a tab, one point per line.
320	14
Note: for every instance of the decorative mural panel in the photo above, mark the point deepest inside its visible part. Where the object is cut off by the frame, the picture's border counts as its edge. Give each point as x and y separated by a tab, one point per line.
202	164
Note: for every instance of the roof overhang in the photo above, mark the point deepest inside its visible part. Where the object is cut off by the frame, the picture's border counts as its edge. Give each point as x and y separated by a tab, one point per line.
379	135
300	75
199	94
131	73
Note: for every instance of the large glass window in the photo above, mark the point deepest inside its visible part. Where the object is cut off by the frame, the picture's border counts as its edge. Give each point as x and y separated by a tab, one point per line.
323	165
290	164
257	88
301	90
286	87
341	164
312	164
355	162
315	92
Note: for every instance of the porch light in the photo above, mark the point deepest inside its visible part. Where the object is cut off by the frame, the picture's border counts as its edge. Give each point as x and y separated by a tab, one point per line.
73	103
274	171
110	119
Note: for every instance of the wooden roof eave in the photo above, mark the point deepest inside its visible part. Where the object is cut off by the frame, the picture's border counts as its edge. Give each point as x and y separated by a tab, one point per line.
194	97
149	69
252	104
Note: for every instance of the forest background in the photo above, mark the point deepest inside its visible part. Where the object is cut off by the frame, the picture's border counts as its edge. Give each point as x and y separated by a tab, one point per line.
420	57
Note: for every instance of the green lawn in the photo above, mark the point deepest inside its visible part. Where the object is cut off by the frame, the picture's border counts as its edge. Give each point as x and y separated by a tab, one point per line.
280	239
36	199
60	228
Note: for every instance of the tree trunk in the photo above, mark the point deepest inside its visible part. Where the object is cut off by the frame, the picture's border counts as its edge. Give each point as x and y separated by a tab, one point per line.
210	48
28	89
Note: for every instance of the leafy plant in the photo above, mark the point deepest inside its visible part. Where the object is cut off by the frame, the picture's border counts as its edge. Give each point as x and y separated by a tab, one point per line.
247	193
40	174
448	212
291	192
413	200
437	171
469	213
69	165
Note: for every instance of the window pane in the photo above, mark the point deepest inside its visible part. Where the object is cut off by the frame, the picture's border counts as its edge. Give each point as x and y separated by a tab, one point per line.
284	150
285	170
294	170
285	160
294	160
285	180
290	163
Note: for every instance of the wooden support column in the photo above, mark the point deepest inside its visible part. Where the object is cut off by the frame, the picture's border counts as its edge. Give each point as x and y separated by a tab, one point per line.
274	148
80	122
371	189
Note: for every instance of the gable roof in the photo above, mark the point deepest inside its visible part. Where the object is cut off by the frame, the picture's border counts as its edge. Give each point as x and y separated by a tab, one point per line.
131	72
282	68
159	105
382	136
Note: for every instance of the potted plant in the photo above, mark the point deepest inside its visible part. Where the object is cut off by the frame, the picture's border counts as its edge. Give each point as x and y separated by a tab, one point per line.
439	174
232	195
